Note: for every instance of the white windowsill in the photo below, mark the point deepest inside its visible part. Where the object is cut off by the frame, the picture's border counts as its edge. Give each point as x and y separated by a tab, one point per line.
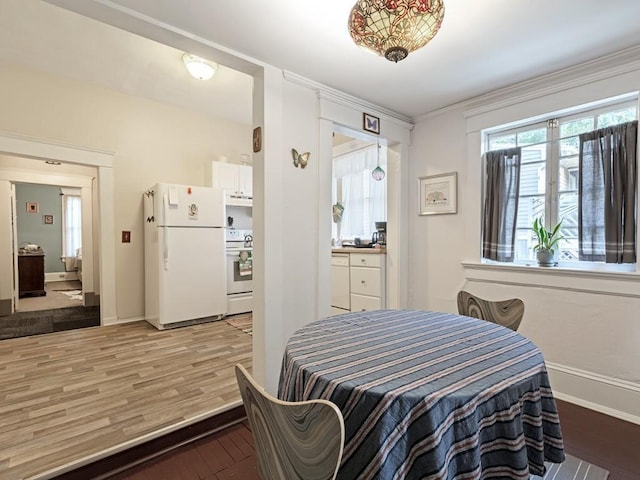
625	284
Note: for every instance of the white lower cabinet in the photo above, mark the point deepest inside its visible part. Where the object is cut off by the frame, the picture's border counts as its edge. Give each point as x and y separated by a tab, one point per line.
358	282
340	298
360	303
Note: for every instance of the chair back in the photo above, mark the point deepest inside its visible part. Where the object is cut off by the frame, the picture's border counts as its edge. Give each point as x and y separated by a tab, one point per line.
293	440
507	313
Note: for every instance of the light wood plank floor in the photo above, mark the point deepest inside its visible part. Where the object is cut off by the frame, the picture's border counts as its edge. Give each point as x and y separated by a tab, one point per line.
71	397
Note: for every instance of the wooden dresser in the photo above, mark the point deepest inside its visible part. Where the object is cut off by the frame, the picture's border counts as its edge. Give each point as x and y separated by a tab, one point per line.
31	275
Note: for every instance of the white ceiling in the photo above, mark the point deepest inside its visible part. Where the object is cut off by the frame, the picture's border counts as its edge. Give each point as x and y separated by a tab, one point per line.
482	46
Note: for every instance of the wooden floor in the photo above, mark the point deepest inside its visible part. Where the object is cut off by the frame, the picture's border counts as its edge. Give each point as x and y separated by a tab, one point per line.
72	397
224	456
605	441
599	439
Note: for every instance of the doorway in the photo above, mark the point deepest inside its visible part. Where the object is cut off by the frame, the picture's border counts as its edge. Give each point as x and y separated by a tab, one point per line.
47	246
28	160
359	187
359	214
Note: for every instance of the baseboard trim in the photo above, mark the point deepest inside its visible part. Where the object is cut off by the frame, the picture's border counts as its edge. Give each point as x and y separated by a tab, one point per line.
60	276
613	397
122	321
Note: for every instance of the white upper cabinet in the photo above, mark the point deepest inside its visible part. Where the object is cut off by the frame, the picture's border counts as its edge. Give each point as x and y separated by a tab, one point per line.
245	180
235	180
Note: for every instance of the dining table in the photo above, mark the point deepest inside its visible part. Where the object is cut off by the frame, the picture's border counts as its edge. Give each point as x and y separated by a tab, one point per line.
427	395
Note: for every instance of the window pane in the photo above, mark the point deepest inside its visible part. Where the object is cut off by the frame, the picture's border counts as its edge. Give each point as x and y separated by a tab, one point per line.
568	213
535	153
575	127
532	136
529	208
570	146
524	244
503	141
532	179
615	118
568	173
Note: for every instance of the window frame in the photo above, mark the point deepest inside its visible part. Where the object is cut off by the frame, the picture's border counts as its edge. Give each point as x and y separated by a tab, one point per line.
553	122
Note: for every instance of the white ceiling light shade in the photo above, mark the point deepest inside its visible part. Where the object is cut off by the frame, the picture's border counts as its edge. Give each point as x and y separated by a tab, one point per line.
199	67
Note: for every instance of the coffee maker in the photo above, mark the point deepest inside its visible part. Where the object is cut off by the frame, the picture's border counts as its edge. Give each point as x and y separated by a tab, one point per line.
380	235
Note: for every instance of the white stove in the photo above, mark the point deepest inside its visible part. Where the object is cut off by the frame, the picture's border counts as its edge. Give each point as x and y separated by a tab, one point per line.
239	246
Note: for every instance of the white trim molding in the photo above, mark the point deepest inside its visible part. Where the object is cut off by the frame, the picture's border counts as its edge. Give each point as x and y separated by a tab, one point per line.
617	63
346	100
50	277
592	391
619	284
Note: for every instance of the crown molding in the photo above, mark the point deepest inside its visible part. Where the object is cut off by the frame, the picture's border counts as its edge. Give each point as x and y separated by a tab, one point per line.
621	62
331	94
608	66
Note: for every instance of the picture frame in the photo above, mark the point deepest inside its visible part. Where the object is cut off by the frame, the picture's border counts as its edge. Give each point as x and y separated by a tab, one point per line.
32	207
47	219
438	194
370	123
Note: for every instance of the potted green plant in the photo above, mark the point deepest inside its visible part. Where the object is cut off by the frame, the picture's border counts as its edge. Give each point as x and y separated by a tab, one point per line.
547	242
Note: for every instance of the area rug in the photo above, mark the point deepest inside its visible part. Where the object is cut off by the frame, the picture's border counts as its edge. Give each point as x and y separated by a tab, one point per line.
573	469
25	324
72	294
243	321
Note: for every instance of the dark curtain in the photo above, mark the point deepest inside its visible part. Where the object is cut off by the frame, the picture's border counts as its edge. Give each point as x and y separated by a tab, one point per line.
502	186
607	194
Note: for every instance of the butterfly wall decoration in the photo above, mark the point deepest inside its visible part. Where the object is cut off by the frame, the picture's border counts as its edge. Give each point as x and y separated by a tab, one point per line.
300	159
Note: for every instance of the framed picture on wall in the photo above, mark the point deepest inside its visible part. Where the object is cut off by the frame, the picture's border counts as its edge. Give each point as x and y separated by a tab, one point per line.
438	194
32	207
370	123
48	219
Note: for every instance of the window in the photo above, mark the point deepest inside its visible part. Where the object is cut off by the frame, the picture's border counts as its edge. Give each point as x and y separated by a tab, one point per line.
71	226
364	199
549	173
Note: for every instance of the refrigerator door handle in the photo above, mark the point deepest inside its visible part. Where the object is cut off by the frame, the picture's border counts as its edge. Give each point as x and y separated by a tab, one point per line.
165	232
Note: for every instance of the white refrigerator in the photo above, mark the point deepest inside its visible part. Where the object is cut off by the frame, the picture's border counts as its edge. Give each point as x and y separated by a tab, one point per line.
184	253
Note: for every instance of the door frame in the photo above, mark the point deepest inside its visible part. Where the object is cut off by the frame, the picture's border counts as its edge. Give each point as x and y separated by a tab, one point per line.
42	149
14	249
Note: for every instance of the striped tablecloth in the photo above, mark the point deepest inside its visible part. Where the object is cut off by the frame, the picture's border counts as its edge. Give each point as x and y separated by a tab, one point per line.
428	395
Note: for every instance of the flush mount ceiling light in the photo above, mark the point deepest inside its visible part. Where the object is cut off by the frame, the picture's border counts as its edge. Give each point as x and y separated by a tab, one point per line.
199	67
394	28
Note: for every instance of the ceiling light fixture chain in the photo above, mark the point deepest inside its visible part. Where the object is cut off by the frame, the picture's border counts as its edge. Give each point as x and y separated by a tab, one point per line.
394	28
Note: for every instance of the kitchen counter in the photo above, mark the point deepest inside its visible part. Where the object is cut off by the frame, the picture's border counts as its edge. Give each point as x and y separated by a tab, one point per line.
358	250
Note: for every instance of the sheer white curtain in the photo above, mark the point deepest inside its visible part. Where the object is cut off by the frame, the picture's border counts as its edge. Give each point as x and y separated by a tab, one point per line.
364	199
71	229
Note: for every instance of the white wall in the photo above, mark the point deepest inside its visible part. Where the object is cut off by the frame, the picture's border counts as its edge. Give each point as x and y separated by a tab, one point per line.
587	326
290	226
152	142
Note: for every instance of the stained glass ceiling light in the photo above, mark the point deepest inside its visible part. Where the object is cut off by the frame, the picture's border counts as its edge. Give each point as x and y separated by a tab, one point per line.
394	28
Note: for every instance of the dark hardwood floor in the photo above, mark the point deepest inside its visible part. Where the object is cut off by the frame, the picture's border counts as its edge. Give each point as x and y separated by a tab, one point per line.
605	441
226	455
602	440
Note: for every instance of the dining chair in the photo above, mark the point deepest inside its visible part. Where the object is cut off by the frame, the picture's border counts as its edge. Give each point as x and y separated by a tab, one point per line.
293	440
507	313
